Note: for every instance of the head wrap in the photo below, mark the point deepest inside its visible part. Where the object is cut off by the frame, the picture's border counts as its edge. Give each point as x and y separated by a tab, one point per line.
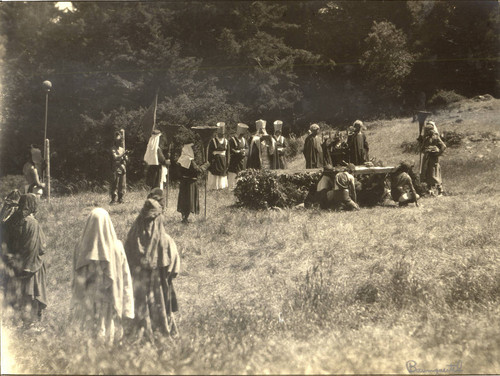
278	126
99	244
241	128
260	126
157	194
187	155
357	124
314	127
148	245
431	126
151	155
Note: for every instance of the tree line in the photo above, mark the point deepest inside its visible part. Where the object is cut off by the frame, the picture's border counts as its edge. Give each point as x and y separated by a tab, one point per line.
297	61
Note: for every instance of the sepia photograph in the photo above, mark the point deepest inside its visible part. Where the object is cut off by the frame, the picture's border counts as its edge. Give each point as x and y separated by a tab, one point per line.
250	187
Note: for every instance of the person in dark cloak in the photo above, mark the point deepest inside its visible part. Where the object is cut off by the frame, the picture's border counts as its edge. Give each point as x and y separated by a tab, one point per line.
188	201
358	146
313	151
238	150
22	250
218	155
154	262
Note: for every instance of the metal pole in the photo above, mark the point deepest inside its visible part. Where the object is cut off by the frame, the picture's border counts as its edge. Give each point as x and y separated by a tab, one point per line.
47	148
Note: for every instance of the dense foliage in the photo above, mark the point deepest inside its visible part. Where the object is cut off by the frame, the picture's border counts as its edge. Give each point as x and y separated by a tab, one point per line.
301	62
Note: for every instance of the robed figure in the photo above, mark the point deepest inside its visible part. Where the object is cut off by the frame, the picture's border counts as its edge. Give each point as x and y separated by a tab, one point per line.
238	150
262	147
218	154
156	160
358	146
313	151
432	148
281	145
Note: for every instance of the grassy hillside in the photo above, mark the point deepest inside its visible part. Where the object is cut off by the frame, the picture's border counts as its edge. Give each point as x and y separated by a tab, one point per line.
305	291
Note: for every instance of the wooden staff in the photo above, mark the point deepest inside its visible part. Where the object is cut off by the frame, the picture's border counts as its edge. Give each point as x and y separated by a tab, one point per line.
167	183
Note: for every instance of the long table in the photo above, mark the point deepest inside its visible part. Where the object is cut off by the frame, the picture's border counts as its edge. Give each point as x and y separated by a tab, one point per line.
360	170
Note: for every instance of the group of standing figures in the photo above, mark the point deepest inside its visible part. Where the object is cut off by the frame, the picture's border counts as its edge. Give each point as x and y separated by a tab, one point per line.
336	150
117	288
226	158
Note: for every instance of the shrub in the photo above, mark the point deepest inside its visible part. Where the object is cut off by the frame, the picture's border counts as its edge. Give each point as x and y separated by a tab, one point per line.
445	97
259	189
452	138
410	147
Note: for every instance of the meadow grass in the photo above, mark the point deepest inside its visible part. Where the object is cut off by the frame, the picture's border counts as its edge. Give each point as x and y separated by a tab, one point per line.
300	291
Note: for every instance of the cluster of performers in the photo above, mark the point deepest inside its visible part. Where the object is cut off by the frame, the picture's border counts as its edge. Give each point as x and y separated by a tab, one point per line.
118	289
121	289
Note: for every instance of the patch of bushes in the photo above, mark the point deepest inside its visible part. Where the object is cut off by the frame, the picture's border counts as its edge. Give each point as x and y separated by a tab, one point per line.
260	189
410	147
445	97
452	138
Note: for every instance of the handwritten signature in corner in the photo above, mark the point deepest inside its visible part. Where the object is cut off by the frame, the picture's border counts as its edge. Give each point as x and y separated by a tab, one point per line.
411	366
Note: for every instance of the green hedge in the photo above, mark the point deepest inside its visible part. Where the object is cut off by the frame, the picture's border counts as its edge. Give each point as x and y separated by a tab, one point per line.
260	189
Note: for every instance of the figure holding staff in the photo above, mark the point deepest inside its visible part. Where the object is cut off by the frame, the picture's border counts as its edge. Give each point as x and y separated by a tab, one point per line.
206	133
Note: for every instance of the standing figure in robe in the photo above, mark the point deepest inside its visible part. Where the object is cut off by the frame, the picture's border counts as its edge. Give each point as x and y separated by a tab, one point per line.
238	150
218	155
261	152
281	145
313	151
358	146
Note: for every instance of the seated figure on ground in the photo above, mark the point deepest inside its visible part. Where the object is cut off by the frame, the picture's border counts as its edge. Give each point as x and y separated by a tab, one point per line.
402	189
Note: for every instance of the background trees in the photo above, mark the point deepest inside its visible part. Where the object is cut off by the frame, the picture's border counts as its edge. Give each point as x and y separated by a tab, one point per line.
301	62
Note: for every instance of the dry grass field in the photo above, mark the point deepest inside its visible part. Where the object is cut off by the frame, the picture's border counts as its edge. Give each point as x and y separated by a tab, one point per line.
306	291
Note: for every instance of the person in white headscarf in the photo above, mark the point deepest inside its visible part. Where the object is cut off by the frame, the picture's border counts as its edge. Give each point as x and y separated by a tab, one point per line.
102	283
157	162
432	147
188	201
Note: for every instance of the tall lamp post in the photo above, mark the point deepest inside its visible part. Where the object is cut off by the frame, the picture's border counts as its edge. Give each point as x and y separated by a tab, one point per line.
47	85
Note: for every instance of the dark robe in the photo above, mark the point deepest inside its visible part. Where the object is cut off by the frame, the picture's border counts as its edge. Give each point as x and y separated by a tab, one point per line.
281	146
218	162
188	201
338	153
238	149
257	151
313	152
25	282
154	261
358	148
